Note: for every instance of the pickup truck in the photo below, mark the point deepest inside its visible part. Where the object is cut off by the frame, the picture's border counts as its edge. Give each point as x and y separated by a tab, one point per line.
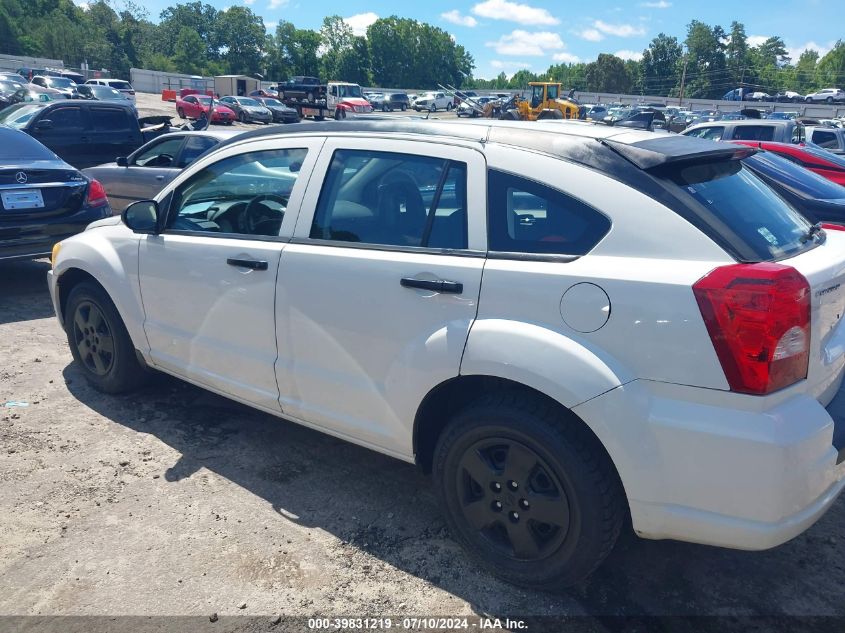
302	88
778	131
85	133
830	138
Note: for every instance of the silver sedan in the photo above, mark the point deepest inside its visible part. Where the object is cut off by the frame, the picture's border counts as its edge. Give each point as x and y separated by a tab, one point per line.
142	174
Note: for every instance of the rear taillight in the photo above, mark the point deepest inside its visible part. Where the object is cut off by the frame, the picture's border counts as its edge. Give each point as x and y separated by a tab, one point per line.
96	194
758	318
828	226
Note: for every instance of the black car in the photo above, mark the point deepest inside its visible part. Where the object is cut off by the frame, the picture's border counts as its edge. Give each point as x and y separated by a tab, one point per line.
815	197
388	102
83	133
93	92
281	113
42	199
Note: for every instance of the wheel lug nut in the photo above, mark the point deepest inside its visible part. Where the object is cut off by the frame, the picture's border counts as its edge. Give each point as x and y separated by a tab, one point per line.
514	516
523	503
496	486
513	485
496	506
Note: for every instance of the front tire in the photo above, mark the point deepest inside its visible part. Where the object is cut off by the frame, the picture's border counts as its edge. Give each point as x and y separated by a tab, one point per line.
339	114
528	490
433	107
99	342
180	112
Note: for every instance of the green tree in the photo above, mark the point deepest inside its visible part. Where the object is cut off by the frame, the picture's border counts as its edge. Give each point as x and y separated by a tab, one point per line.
189	52
240	34
660	64
830	71
736	53
707	66
607	74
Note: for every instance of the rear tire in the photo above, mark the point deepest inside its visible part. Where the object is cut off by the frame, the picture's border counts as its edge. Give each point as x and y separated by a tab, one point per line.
99	342
180	112
528	490
404	107
829	100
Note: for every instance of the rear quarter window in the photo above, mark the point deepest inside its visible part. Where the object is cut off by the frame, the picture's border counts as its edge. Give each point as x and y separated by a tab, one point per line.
754	133
525	216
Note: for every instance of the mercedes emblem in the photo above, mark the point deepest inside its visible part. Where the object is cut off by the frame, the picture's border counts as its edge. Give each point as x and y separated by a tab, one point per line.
21	178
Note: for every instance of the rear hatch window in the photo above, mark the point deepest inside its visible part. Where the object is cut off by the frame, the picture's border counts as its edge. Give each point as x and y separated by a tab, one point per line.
736	198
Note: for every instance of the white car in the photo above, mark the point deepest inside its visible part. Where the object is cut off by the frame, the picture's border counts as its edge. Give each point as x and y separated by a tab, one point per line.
465	109
433	101
827	95
568	334
118	84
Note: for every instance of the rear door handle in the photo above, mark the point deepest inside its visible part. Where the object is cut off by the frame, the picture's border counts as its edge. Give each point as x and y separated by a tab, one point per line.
254	264
437	285
159	177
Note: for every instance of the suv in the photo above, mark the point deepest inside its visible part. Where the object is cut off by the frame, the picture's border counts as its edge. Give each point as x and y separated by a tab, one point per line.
655	337
828	95
830	138
433	101
118	84
749	130
64	85
388	102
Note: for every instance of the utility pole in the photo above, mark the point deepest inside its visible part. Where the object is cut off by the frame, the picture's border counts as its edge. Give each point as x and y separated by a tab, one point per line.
683	81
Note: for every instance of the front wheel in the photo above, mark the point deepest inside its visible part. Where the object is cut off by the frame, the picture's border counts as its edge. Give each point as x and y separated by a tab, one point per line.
433	107
448	107
242	117
339	114
528	490
829	100
404	107
99	342
180	112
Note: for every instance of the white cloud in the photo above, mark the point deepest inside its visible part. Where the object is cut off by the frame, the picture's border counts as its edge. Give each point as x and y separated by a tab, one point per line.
276	4
619	30
660	4
521	42
249	1
513	12
756	40
271	26
566	58
454	17
359	22
629	55
591	35
794	52
82	4
500	65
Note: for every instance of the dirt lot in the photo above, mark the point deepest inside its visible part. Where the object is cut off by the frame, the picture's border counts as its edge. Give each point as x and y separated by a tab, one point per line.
175	501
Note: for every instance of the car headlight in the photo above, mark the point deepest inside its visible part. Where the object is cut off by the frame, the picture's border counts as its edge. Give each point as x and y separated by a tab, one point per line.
55	253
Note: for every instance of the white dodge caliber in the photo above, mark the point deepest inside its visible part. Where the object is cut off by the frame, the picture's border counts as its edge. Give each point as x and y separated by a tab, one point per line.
568	325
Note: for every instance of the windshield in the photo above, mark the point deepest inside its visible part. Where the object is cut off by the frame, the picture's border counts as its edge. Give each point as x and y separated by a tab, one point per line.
349	91
18	115
795	177
120	85
60	82
748	206
104	92
248	102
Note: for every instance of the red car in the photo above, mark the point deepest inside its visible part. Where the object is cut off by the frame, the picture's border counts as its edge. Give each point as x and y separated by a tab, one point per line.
193	105
815	159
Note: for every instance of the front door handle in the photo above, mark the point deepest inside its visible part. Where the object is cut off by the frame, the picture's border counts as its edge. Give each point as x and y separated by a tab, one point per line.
159	177
254	264
437	285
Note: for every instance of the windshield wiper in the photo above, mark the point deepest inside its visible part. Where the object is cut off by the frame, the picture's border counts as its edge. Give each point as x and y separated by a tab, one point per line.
812	232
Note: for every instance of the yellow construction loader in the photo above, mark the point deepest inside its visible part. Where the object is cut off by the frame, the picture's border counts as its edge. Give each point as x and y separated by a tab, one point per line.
545	102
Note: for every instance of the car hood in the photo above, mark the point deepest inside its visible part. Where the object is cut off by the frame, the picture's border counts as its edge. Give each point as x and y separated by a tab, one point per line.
355	101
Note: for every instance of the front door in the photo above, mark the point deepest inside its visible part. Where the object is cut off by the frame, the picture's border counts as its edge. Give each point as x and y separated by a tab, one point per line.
208	281
379	287
68	136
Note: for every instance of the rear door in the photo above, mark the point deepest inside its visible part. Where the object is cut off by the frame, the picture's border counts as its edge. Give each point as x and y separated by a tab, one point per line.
376	292
115	132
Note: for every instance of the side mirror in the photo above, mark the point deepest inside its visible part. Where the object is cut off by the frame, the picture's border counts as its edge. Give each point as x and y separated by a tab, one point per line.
141	216
121	161
44	124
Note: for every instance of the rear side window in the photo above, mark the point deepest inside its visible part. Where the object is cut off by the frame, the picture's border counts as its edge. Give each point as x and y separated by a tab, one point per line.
747	206
753	133
110	119
825	139
194	147
525	216
713	133
393	199
120	85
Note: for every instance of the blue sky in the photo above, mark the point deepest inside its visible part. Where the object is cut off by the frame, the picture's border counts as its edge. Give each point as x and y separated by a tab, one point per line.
506	35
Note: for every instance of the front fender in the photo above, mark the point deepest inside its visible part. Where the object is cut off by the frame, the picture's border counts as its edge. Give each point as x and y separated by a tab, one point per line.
110	255
561	367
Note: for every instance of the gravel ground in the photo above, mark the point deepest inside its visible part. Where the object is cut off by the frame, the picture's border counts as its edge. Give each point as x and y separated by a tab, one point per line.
175	501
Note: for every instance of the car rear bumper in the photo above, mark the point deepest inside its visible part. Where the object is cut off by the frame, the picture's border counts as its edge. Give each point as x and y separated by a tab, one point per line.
35	238
719	468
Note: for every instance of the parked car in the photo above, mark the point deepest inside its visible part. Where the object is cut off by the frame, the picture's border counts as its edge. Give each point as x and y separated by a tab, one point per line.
433	101
817	198
749	130
82	133
820	161
103	93
782	116
31	93
118	84
197	106
465	109
269	93
247	109
830	138
28	73
788	96
472	94
826	95
388	102
62	84
7	92
42	199
600	373
303	88
145	171
13	77
758	96
281	112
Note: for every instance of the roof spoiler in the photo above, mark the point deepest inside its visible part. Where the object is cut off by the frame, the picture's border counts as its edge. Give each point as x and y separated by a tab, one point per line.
676	150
